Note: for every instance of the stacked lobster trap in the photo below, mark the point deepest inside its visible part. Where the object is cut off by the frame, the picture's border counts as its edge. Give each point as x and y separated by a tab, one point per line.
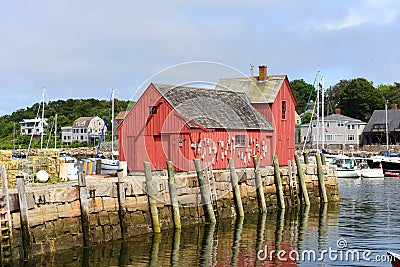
47	159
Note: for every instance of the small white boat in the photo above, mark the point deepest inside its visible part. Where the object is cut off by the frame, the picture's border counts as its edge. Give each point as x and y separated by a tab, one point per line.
346	167
372	173
368	172
109	164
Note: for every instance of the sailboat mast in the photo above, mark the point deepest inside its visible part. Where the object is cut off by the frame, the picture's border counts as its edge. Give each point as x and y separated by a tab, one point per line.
323	112
14	129
386	127
55	132
318	108
112	123
41	123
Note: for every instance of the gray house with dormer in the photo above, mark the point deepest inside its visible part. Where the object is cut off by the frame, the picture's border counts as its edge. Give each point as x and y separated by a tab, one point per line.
338	131
375	131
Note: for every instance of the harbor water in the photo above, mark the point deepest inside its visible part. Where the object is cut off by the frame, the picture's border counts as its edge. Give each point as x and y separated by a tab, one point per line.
358	231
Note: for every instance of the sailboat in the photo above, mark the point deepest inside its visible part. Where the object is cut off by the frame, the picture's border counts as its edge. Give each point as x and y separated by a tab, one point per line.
111	164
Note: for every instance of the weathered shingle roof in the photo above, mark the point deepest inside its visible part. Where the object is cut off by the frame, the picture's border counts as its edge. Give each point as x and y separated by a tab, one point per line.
214	109
340	117
121	115
82	122
379	117
257	91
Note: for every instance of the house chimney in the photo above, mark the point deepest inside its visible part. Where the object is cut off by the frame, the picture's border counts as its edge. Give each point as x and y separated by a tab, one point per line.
394	106
338	111
262	73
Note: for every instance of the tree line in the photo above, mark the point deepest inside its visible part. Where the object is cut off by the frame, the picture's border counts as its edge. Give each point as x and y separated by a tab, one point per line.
67	112
357	98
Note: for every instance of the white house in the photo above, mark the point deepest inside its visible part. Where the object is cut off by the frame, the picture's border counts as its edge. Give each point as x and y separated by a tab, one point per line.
339	131
33	126
84	129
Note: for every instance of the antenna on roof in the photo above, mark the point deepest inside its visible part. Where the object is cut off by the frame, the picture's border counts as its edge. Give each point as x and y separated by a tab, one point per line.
251	70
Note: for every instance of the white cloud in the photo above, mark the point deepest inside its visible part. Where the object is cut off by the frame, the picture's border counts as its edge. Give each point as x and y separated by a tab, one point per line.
82	49
371	12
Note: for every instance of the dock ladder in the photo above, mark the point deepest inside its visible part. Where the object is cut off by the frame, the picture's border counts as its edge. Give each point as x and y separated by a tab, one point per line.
211	184
5	219
294	194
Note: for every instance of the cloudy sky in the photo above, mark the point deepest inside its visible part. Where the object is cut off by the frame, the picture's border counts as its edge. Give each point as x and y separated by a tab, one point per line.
82	49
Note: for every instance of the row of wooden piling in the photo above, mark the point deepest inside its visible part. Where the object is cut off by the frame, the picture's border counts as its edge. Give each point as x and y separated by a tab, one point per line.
205	191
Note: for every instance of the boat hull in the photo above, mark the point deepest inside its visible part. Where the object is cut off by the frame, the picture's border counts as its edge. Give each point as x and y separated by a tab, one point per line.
109	164
394	258
391	165
348	174
372	173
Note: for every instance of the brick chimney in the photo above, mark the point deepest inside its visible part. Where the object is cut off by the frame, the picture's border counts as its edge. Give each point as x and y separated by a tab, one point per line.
338	111
393	107
262	73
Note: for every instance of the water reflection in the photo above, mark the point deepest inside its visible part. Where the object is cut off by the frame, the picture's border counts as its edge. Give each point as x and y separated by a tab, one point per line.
368	218
236	240
304	213
206	256
155	247
322	229
175	248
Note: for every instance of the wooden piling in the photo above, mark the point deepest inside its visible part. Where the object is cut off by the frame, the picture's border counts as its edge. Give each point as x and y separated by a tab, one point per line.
321	180
305	156
259	185
85	167
173	195
123	220
90	168
205	192
151	198
98	166
235	188
84	203
23	209
323	159
303	186
278	183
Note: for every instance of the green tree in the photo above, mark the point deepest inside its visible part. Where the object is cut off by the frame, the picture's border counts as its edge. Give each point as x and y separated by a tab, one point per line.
67	111
358	98
391	93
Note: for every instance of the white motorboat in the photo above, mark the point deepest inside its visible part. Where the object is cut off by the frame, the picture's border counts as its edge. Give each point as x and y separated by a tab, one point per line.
368	171
346	167
109	164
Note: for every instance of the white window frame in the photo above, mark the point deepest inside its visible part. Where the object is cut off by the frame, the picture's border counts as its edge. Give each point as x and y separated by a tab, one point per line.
339	137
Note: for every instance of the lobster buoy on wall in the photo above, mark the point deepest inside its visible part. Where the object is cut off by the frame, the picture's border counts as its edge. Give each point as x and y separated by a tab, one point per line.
42	176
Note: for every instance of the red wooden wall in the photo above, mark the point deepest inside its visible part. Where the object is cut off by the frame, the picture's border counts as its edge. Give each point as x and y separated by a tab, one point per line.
166	136
284	136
